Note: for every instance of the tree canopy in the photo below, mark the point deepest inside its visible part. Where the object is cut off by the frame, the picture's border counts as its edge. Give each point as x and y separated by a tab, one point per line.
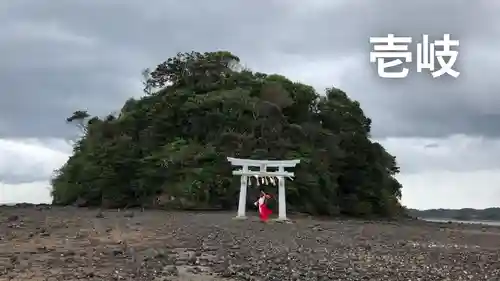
168	149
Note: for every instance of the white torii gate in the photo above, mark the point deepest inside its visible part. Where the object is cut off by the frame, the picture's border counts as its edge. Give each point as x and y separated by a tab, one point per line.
245	172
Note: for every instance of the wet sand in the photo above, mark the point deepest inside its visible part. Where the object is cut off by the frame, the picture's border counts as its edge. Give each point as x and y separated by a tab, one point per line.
55	243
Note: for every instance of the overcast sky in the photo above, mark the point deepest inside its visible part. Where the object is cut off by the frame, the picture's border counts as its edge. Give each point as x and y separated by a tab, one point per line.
60	56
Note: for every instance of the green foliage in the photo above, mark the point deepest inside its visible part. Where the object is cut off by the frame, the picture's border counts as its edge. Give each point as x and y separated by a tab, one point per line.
169	148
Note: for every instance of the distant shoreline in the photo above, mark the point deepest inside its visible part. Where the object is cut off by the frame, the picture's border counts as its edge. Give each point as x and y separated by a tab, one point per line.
490	216
438	220
445	220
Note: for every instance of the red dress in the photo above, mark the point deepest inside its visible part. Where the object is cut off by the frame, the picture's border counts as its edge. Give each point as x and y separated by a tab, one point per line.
264	211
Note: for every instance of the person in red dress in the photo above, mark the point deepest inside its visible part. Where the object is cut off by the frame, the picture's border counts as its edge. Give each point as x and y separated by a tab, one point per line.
264	211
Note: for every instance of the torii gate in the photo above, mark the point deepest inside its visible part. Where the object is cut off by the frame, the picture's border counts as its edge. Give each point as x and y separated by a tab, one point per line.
245	172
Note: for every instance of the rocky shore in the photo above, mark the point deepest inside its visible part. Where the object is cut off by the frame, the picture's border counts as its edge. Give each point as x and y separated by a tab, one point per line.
55	243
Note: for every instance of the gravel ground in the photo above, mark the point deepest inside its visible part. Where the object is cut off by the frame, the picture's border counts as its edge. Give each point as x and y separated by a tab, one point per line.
44	243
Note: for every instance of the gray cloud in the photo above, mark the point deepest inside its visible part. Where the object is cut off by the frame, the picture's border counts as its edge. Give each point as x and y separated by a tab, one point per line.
59	57
31	160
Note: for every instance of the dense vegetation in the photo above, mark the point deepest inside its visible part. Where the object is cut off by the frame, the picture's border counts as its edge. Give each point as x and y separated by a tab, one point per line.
489	214
168	149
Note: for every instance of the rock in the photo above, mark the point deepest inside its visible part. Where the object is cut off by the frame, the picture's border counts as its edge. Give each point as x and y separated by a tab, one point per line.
129	214
12	218
117	252
170	270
